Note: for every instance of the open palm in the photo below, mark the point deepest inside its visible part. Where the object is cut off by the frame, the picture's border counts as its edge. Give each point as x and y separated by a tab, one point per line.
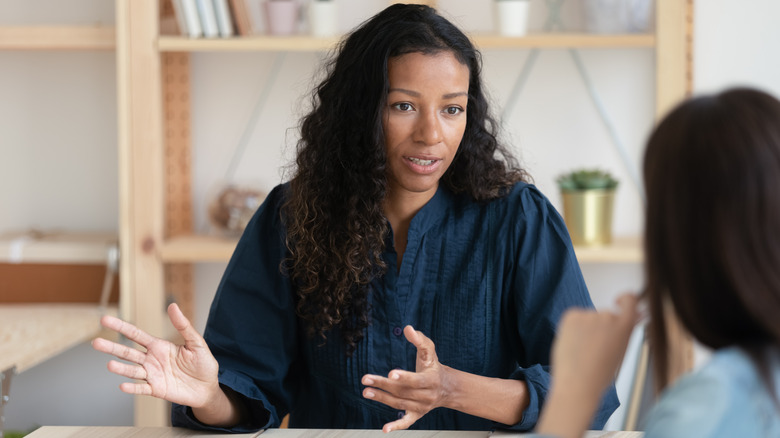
184	374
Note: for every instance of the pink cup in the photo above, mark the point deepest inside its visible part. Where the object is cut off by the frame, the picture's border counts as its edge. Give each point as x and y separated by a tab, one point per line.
281	16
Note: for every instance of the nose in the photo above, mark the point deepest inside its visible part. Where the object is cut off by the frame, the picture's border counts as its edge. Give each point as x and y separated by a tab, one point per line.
428	128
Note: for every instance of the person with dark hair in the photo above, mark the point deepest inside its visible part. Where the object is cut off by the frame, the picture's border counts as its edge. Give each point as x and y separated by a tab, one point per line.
407	276
712	177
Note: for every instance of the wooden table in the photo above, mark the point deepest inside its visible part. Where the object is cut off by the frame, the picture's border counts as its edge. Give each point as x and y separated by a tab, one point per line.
31	334
173	432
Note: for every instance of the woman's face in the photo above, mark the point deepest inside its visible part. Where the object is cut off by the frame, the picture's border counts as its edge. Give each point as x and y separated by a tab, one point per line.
424	120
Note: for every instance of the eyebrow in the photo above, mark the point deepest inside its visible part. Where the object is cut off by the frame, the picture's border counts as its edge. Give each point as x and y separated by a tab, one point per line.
416	94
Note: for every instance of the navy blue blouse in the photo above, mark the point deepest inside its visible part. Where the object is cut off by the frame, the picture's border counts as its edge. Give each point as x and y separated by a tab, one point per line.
487	282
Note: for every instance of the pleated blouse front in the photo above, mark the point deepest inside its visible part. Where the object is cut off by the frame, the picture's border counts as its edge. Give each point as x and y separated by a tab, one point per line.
487	282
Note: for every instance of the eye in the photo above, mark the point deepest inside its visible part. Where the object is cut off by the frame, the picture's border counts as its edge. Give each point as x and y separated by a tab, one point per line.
453	110
403	106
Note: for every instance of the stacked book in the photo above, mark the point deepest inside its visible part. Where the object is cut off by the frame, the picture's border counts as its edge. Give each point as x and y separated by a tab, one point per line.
212	18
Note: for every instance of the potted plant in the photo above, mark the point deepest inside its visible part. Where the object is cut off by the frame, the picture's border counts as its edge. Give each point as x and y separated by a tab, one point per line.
588	202
512	17
323	18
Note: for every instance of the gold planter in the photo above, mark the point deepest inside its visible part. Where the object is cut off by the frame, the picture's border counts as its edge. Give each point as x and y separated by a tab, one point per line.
588	215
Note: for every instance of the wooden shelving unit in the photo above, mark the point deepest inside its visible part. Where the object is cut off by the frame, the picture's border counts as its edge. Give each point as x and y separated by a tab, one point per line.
148	244
57	38
305	43
195	248
31	333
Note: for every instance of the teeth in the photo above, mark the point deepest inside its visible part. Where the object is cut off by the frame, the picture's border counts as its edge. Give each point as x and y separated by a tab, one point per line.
421	162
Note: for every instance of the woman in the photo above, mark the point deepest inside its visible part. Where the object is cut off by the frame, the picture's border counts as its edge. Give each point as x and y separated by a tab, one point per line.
712	175
407	266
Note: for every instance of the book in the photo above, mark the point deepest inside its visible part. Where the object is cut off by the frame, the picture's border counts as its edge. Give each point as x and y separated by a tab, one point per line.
241	17
190	11
224	20
208	18
181	21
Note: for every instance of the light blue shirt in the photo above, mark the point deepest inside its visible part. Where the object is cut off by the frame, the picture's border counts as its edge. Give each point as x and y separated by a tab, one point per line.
726	398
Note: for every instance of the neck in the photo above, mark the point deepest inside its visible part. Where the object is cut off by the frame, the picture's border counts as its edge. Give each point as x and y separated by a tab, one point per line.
399	209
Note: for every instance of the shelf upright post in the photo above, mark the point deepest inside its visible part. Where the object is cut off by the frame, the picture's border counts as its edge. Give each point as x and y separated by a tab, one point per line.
141	179
673	84
672	34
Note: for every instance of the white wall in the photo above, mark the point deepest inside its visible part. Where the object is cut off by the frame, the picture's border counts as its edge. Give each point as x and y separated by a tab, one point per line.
58	142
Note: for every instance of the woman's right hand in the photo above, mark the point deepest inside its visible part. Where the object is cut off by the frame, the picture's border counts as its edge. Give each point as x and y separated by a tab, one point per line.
184	374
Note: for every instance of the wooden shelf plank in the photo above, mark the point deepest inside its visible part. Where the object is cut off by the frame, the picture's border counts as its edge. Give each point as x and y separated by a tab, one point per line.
306	43
621	250
195	248
57	38
33	333
56	247
254	43
565	40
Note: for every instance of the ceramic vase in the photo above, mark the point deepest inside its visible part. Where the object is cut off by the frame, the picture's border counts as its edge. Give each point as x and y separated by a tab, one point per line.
588	215
281	16
512	17
323	18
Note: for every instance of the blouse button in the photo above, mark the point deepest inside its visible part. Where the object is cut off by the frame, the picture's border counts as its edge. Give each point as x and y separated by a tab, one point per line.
397	331
401	414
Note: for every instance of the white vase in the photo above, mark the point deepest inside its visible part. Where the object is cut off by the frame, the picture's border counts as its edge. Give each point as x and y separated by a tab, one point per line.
512	17
323	18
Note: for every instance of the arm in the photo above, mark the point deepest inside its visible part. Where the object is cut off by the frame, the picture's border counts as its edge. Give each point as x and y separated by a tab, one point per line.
434	385
252	329
586	358
547	282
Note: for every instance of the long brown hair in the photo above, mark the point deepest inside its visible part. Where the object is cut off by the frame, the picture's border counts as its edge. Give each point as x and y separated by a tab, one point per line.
336	227
712	175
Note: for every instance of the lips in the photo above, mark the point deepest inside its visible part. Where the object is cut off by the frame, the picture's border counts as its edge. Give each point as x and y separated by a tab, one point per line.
423	165
420	161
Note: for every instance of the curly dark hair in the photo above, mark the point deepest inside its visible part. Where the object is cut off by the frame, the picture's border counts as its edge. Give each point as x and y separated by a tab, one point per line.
336	227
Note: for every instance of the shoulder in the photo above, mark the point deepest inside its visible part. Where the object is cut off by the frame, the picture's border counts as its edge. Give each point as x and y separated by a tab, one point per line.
522	198
268	216
278	195
726	397
525	206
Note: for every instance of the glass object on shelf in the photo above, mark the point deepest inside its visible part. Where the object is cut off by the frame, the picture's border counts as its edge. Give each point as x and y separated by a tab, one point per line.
232	205
618	16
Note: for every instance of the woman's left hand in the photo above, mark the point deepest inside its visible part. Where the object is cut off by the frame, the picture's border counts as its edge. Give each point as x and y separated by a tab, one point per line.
416	393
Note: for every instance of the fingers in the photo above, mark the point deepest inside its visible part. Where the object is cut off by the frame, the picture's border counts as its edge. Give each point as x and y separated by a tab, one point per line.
403	423
628	309
401	390
126	329
136	388
120	351
135	372
426	350
184	327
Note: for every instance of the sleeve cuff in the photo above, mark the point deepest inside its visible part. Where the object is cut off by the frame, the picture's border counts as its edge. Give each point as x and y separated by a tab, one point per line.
262	413
537	379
